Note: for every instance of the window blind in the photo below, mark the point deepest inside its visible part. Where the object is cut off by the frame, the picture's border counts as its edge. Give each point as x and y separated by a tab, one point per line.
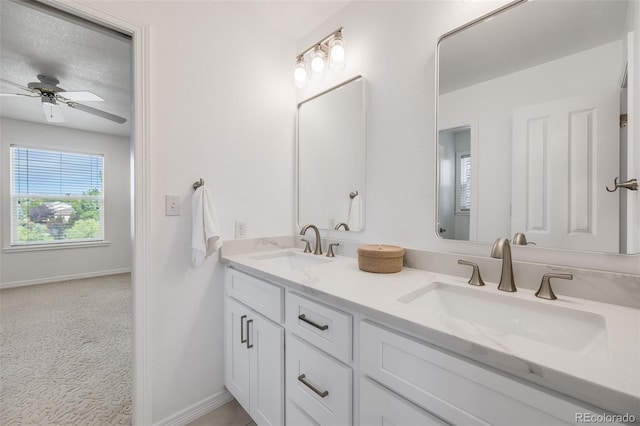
465	182
56	196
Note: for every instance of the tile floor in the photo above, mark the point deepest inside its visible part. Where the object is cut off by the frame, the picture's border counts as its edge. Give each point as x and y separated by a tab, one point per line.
230	414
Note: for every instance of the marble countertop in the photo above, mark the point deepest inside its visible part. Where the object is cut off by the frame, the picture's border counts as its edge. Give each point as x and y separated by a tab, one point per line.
609	380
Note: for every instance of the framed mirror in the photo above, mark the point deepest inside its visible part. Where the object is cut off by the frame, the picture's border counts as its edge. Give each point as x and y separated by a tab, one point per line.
331	153
531	119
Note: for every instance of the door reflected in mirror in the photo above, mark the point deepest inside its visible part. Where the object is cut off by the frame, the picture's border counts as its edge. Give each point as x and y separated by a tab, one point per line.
331	158
455	178
542	87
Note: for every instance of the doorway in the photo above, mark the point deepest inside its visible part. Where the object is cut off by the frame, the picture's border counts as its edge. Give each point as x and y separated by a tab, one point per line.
133	150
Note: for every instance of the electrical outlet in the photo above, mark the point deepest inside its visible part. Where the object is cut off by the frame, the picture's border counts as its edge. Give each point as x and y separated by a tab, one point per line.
241	230
171	205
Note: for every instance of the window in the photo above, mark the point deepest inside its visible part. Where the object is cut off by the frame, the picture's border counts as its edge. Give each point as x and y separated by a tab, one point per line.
56	197
463	182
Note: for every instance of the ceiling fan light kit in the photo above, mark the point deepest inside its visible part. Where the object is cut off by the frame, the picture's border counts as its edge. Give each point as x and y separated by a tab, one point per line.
52	96
52	111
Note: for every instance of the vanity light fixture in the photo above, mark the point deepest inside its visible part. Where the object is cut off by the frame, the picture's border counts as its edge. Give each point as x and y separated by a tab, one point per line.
314	61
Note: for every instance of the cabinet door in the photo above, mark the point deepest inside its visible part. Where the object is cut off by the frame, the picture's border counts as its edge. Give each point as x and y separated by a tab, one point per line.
237	362
266	342
380	407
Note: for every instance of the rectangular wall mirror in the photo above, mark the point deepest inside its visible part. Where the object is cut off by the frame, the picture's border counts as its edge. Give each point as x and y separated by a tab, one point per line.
331	158
532	104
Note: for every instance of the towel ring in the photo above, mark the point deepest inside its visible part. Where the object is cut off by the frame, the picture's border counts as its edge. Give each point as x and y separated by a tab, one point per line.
353	195
197	184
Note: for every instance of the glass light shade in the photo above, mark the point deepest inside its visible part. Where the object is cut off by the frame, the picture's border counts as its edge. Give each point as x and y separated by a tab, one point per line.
336	53
318	63
300	74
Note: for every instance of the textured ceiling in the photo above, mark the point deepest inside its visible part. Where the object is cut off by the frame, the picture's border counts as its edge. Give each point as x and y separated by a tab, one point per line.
528	34
79	54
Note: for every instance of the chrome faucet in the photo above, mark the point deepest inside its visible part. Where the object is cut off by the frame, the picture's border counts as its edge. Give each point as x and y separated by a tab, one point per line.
318	249
502	250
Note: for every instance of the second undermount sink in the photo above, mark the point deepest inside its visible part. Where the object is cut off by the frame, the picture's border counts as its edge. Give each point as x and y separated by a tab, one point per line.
291	260
492	314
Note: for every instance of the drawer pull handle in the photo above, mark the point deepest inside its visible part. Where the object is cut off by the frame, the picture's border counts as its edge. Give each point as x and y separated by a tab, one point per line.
249	345
242	338
303	317
312	387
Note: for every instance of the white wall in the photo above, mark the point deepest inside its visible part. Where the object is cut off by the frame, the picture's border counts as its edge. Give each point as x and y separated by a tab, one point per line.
392	44
213	115
33	267
601	72
222	109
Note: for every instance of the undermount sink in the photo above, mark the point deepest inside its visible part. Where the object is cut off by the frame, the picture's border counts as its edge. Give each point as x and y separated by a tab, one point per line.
291	260
476	311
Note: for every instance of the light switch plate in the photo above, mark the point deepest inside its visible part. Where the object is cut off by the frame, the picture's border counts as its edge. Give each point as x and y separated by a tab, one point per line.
172	205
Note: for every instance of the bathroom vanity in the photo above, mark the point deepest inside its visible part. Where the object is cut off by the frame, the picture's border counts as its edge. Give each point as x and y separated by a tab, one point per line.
312	340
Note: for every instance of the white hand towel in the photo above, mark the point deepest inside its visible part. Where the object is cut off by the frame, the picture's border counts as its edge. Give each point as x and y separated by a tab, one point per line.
355	214
205	235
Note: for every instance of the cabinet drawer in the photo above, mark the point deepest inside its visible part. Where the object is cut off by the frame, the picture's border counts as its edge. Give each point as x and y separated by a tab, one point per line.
454	389
324	327
259	295
297	417
380	407
318	384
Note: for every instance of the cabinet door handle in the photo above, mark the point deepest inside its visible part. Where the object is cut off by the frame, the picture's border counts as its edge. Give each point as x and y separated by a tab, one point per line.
305	382
249	345
303	317
242	338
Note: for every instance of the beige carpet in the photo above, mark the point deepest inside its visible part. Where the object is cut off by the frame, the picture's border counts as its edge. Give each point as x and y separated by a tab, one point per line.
65	353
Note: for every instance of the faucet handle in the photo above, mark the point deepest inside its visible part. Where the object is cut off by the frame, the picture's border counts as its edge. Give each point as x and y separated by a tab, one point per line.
330	249
307	246
475	279
545	291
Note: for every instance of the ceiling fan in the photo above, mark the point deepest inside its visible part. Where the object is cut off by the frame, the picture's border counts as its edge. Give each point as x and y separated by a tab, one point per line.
53	96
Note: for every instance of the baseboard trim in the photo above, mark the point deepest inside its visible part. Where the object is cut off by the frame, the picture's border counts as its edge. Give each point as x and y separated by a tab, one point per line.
197	410
59	278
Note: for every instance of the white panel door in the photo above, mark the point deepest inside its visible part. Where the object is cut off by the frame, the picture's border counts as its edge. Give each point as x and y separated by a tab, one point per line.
266	342
565	153
237	357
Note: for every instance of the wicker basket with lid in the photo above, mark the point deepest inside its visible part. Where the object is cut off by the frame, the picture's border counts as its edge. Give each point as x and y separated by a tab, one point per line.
380	258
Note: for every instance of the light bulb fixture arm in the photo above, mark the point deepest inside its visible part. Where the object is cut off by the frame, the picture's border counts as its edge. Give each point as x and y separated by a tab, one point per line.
322	42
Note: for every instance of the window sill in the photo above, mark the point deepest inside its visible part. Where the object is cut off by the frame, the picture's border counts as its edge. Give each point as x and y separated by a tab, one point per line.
61	246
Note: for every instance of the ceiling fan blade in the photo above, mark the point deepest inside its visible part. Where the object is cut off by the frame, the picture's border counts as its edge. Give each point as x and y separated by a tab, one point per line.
52	112
11	83
81	96
22	95
97	112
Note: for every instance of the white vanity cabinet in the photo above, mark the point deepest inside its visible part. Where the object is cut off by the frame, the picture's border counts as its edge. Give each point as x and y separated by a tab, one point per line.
319	385
439	385
400	379
254	348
